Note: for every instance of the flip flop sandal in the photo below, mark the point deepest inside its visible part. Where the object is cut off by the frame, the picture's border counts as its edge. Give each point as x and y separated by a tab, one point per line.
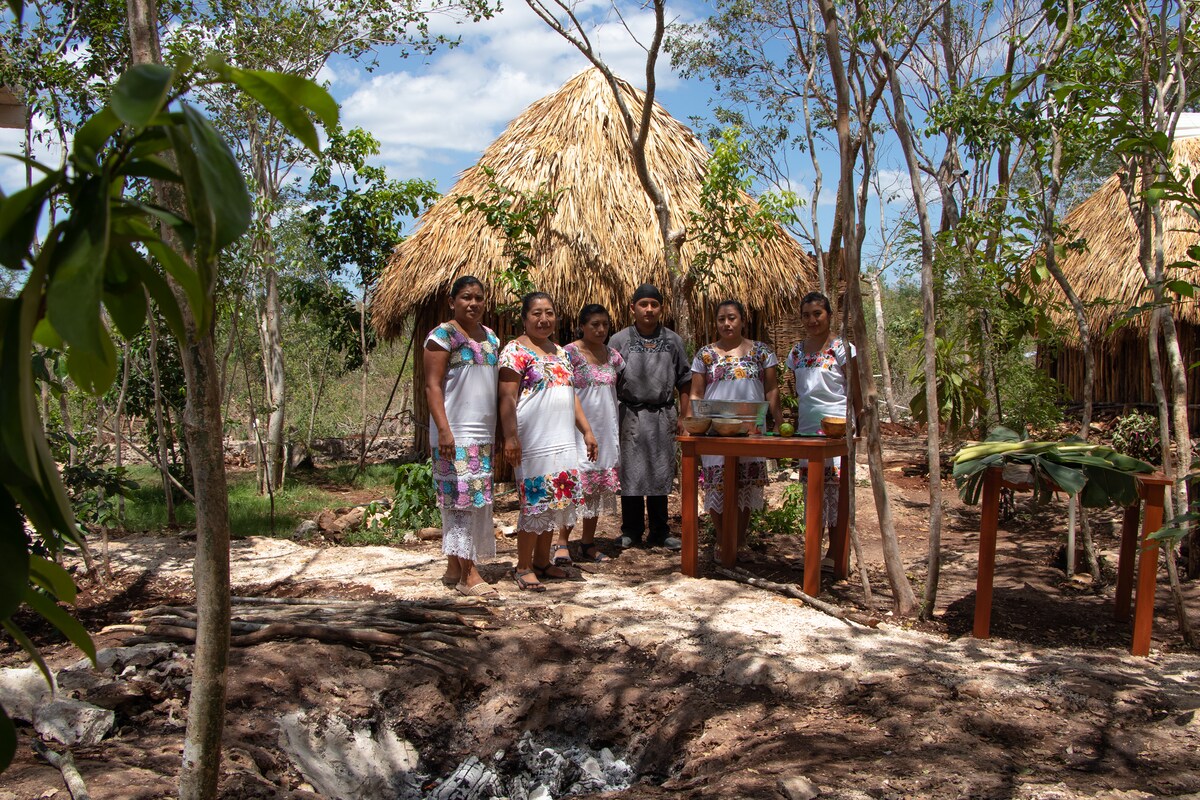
545	574
483	589
449	582
525	584
563	560
597	556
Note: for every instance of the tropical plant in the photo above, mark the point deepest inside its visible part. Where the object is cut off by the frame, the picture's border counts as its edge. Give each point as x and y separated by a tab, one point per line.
785	520
415	503
960	398
1137	435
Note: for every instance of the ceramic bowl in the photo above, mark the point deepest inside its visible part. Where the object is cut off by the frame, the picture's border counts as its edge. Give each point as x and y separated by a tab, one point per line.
696	425
735	427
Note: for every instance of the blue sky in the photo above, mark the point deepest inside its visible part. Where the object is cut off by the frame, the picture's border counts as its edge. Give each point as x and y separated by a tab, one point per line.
434	115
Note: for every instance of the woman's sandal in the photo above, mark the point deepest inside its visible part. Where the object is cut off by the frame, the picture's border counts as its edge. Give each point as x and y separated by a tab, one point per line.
481	589
525	583
545	574
563	560
591	552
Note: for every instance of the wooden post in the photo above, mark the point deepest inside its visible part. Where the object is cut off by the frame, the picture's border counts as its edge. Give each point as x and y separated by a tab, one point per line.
1147	572
689	556
1126	560
841	547
814	524
989	516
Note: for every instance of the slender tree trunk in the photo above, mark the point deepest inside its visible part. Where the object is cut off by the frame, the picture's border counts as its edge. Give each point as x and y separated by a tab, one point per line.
159	427
272	339
902	593
119	416
201	766
366	368
885	367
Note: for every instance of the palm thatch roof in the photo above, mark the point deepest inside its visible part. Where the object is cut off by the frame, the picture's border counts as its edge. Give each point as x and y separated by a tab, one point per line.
1106	273
602	241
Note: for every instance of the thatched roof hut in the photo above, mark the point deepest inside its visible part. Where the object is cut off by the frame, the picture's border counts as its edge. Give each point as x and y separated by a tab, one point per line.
602	240
1109	279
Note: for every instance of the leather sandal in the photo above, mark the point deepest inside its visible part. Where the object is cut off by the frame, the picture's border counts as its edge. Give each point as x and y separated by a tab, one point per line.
527	581
590	551
545	574
563	560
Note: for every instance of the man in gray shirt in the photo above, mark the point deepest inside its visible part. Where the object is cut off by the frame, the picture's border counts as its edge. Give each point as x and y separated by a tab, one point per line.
656	367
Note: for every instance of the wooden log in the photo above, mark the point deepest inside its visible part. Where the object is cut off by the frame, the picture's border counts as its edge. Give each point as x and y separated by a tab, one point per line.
65	764
849	617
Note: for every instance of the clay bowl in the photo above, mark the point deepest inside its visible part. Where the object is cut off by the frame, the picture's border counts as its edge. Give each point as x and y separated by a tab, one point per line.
696	425
734	427
834	426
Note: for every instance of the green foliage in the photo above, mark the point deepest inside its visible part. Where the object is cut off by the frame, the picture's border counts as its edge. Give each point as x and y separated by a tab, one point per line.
104	253
415	503
1137	435
1028	396
726	222
786	520
960	397
518	216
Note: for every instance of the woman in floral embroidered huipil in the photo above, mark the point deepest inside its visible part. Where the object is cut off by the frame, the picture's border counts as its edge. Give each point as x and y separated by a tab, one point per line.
540	414
460	387
738	369
821	364
595	367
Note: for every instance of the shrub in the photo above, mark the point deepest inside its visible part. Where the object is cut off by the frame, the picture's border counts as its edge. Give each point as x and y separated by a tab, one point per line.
415	505
1136	435
787	520
1028	396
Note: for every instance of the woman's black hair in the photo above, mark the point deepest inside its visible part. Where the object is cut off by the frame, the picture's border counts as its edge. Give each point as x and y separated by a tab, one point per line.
741	309
817	297
463	283
587	312
528	299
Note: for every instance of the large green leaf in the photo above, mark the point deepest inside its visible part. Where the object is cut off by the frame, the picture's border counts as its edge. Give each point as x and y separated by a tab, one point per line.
160	291
126	305
289	98
19	216
14	556
53	578
1068	479
29	647
182	272
227	199
93	135
66	624
141	92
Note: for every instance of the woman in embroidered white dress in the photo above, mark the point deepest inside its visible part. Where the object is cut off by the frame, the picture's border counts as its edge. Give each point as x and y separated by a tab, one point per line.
460	360
823	366
539	414
739	369
595	367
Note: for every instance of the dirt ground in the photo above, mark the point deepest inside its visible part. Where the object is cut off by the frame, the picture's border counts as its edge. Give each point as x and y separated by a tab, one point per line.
707	688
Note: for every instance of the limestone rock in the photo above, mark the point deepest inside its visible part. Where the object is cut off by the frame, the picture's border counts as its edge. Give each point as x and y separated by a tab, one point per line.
73	722
22	689
798	787
471	780
349	761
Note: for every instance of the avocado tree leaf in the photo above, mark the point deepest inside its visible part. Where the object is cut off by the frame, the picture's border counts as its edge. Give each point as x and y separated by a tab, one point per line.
141	92
66	624
227	200
289	98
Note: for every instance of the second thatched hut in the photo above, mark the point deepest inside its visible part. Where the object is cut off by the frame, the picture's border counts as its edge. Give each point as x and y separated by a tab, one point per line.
602	240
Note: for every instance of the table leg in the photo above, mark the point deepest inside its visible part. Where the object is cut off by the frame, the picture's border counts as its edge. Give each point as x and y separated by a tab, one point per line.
989	519
1126	560
841	545
1147	571
729	514
690	556
813	526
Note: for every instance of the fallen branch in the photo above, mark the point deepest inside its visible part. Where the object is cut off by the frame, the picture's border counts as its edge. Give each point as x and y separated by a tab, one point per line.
849	617
65	764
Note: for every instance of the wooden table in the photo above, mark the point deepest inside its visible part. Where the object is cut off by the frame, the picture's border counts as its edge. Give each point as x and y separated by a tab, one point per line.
1151	489
815	449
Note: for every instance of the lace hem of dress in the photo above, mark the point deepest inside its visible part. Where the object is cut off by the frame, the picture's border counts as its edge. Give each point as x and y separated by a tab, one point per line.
548	520
468	533
598	504
751	497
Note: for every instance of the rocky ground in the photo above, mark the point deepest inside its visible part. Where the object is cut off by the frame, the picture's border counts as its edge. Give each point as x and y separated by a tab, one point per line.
632	681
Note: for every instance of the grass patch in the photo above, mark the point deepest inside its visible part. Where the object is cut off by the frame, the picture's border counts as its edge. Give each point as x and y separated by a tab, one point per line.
302	497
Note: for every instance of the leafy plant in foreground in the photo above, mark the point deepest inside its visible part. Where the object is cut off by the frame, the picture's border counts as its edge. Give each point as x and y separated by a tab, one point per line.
415	504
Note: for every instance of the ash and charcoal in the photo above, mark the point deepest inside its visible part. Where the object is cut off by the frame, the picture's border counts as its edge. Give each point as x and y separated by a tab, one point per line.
539	770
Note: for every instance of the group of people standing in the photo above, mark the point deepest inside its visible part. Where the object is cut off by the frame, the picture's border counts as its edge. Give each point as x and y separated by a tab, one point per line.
596	420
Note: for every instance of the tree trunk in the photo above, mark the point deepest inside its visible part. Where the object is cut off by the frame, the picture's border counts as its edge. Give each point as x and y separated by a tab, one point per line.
203	427
885	368
64	411
118	421
160	428
276	390
366	367
902	593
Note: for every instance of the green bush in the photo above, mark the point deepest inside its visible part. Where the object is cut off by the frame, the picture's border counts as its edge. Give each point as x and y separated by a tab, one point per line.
787	520
415	504
1028	396
1136	435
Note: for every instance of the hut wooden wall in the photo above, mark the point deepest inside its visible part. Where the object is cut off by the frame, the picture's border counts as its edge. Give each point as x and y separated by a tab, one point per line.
1122	370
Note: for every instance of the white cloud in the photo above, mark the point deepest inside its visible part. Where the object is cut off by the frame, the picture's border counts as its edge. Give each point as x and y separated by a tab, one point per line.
12	141
441	111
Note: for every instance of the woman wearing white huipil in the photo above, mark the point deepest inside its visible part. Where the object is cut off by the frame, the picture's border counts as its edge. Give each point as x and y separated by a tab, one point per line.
461	372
